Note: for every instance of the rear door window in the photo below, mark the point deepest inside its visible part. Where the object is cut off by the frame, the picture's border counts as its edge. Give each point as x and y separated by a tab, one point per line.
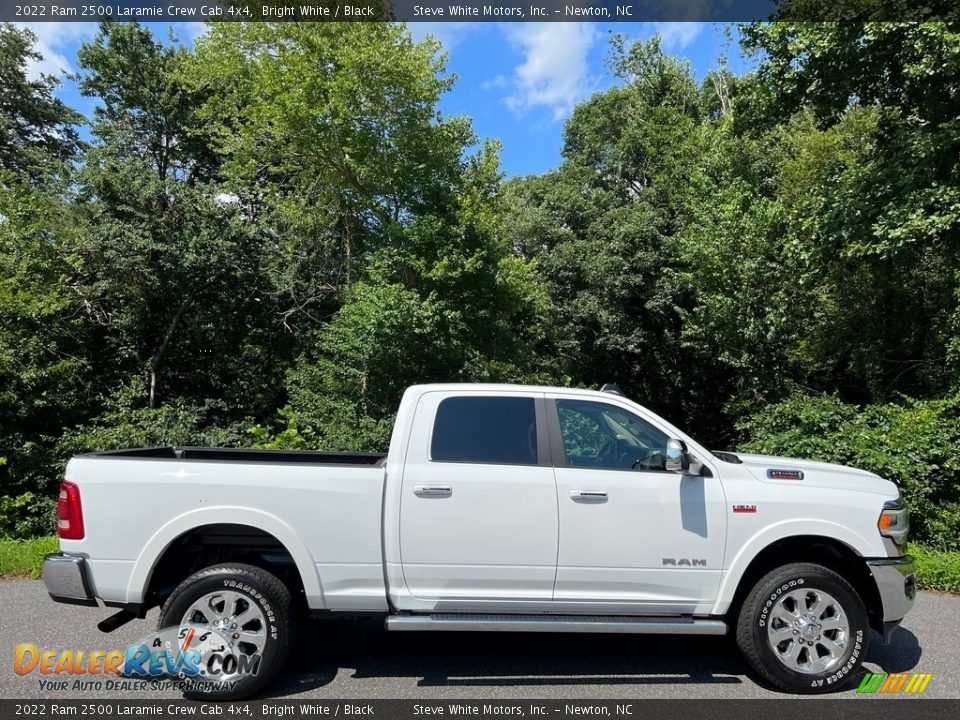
500	430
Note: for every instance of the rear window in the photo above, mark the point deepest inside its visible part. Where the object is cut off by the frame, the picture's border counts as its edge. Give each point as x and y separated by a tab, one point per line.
485	430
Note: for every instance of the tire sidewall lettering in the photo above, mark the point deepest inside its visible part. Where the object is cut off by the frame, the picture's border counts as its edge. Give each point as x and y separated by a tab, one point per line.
260	599
848	666
775	596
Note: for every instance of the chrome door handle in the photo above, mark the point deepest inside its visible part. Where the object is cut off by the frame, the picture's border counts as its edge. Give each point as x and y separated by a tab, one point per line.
594	495
432	490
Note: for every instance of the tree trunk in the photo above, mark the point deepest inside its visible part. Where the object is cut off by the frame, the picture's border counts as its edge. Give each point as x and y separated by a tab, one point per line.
155	361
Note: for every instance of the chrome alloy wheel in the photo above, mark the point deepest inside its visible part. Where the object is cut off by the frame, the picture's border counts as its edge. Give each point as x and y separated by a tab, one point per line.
808	631
234	616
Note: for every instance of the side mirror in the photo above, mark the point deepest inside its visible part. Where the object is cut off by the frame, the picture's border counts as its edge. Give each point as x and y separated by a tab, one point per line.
676	456
678	460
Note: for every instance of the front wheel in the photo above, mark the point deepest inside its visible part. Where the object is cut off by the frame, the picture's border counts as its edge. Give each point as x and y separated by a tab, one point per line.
804	629
239	616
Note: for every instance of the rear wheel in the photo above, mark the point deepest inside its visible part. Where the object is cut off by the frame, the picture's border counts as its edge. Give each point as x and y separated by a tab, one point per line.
248	612
804	629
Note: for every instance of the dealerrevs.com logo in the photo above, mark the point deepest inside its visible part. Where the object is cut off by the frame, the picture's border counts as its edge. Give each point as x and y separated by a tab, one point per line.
195	655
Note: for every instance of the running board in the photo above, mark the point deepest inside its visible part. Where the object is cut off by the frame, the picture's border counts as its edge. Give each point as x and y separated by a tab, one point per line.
558	623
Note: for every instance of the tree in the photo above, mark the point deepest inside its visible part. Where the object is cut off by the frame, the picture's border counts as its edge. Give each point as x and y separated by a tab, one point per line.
145	106
452	304
44	372
875	194
38	133
171	274
827	67
605	229
332	140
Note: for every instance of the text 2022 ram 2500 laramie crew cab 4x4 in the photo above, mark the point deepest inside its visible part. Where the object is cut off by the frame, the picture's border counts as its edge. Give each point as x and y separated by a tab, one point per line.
497	508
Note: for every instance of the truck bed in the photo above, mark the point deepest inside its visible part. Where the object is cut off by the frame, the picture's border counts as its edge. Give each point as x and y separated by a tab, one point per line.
323	508
221	455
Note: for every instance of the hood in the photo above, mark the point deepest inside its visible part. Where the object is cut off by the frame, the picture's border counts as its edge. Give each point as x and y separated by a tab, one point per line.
818	474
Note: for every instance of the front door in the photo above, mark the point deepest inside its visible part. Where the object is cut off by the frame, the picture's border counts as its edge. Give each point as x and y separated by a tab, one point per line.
478	507
631	533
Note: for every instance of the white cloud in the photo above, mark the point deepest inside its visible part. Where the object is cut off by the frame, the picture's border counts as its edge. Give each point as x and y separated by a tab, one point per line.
497	82
54	41
448	33
58	41
188	32
675	36
555	72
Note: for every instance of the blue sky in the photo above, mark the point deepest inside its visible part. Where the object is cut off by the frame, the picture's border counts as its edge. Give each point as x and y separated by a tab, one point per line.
518	81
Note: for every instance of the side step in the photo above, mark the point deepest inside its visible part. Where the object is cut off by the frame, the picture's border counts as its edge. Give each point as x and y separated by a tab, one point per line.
457	622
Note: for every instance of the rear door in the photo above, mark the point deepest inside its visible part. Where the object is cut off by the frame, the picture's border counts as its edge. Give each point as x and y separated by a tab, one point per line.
478	507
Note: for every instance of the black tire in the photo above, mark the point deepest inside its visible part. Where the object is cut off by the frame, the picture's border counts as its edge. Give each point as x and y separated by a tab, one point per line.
264	590
756	625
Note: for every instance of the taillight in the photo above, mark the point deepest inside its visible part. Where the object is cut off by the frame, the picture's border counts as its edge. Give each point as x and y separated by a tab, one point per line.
69	512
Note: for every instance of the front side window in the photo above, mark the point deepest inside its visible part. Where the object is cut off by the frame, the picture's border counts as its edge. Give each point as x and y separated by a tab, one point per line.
598	435
485	430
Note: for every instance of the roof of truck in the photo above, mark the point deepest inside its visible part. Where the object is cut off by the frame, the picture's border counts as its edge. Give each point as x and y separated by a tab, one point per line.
506	387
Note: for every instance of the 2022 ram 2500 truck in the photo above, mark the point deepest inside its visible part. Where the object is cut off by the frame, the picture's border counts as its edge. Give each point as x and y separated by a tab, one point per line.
497	508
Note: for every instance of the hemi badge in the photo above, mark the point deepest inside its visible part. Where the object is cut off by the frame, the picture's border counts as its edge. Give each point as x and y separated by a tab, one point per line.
784	474
745	508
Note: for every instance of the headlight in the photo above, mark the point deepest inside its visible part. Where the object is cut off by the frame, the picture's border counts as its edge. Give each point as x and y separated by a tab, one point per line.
894	522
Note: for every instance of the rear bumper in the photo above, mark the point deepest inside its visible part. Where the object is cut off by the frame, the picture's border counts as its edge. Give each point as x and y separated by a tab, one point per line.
896	580
67	579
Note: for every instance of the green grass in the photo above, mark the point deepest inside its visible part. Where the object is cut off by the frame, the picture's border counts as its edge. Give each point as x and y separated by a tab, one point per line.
935	570
22	558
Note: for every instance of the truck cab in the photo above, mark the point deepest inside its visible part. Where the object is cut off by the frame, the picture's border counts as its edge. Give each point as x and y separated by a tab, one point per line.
539	496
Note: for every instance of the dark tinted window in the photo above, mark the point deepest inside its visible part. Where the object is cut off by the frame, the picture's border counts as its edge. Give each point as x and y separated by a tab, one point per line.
485	430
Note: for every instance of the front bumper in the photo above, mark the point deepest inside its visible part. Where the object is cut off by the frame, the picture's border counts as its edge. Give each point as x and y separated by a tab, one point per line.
896	579
67	579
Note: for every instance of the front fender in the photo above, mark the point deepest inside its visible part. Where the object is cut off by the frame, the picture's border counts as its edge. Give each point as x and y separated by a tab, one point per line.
781	531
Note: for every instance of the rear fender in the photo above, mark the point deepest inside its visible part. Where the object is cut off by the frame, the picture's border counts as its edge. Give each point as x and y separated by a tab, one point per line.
167	534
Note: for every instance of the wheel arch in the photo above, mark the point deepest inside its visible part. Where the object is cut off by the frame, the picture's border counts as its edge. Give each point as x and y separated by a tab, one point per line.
238	534
823	549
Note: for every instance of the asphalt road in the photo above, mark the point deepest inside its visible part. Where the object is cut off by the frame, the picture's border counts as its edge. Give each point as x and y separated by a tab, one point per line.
358	659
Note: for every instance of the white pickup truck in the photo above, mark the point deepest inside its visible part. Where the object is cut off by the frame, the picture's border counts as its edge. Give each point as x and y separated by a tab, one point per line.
498	508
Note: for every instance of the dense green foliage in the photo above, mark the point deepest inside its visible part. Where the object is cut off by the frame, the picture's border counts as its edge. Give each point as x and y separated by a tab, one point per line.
270	235
37	131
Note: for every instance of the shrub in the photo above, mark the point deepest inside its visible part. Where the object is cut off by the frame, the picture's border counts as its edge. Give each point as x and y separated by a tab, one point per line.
284	432
26	515
31	514
176	423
